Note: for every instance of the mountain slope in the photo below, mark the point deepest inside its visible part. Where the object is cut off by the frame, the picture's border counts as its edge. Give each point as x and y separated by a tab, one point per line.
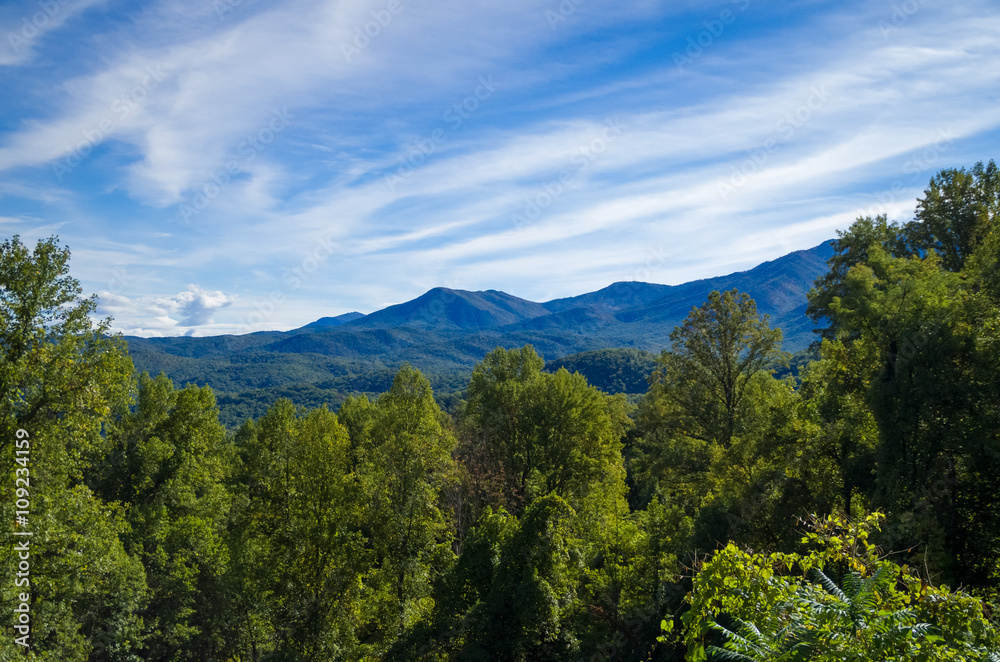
445	332
443	308
611	370
333	321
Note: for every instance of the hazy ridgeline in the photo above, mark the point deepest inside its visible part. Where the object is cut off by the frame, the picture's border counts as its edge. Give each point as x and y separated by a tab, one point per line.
738	508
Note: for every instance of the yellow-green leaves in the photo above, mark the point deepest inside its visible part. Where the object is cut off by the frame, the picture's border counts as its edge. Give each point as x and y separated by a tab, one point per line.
841	601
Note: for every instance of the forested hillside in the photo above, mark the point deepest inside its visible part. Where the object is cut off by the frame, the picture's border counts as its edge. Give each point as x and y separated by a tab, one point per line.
445	333
847	510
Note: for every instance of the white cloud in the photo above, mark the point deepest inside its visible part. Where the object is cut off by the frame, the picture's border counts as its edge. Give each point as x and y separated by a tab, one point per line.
189	311
885	100
25	25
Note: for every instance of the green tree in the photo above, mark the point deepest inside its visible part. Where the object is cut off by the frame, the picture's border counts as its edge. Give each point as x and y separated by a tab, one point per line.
499	435
851	248
956	213
60	377
844	440
718	436
911	346
168	461
299	552
546	433
718	349
403	462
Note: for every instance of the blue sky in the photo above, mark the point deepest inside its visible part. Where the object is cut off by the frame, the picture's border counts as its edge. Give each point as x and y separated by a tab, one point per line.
224	166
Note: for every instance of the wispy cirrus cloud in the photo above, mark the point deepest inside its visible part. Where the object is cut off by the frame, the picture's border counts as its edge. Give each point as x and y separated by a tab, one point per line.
26	26
790	122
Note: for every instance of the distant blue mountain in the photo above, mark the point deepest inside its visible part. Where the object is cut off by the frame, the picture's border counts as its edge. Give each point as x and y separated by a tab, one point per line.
445	332
443	308
333	321
779	287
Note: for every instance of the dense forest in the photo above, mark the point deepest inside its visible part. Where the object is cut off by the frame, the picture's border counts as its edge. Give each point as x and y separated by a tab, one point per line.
748	507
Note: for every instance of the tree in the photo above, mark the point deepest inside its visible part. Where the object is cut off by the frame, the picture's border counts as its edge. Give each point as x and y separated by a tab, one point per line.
718	349
523	613
298	546
498	426
722	442
845	438
545	433
956	213
60	377
403	462
168	461
912	341
851	248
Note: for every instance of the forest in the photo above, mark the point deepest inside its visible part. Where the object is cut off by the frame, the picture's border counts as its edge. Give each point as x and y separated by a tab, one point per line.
846	509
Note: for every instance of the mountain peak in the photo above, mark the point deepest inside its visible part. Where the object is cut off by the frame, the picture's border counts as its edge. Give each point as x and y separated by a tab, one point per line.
446	308
337	320
779	286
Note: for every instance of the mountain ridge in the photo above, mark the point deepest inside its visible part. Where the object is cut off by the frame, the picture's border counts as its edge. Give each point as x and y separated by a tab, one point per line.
446	308
445	332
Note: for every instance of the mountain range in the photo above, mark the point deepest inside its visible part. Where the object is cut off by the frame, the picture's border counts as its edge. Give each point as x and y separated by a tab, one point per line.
445	332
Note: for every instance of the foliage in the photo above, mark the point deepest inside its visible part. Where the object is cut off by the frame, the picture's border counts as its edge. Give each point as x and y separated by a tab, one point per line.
719	436
785	606
169	459
524	512
299	553
918	341
543	433
60	378
957	212
403	458
610	370
717	351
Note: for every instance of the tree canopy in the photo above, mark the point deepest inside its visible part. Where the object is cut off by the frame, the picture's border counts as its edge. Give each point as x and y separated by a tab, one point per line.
741	511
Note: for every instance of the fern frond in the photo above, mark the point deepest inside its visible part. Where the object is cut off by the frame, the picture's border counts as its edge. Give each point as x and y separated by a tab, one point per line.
716	653
829	584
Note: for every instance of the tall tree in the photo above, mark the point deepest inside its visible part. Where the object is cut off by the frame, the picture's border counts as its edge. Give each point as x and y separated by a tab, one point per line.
168	461
60	377
916	330
851	248
499	426
298	547
404	461
719	439
545	433
718	349
956	212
